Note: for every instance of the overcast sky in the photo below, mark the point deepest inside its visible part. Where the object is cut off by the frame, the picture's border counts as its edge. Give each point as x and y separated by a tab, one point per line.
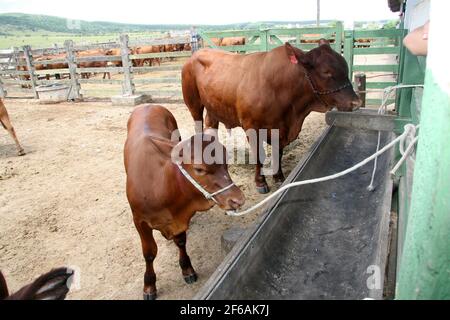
202	11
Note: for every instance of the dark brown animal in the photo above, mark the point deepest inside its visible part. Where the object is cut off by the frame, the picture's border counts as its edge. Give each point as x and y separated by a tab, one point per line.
50	286
267	90
160	196
6	123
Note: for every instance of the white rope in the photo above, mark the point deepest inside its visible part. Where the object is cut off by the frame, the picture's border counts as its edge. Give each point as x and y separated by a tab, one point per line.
408	129
382	110
405	156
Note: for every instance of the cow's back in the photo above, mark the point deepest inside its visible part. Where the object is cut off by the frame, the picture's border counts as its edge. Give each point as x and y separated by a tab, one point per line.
232	87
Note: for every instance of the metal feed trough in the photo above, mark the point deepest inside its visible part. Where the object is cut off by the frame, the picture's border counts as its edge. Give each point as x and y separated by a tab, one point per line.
319	241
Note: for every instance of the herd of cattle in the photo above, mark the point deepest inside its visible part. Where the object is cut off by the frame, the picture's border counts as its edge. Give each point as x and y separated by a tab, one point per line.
273	90
40	65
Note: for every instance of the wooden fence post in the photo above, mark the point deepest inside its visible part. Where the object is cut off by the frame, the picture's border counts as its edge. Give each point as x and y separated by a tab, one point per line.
75	85
128	85
360	83
31	70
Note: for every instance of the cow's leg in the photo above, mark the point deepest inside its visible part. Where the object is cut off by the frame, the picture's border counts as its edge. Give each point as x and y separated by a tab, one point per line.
185	262
279	176
211	122
149	249
4	120
261	185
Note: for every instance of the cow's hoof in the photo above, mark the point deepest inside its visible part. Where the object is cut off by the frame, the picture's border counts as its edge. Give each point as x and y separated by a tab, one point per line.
279	179
150	296
191	278
263	190
21	153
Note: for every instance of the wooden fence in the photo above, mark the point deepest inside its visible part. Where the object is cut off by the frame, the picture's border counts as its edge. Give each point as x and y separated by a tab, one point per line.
18	74
165	81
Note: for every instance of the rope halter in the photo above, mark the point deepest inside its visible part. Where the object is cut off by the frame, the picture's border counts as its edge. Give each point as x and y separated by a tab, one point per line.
319	93
206	194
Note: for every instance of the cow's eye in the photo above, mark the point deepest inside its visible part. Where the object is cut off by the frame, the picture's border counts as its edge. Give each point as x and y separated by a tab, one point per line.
328	74
199	171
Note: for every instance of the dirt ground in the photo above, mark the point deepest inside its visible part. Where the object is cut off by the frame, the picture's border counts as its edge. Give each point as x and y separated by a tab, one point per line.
64	203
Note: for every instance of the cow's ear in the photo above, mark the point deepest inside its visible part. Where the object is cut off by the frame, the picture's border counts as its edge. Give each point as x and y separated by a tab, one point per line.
324	42
307	60
291	53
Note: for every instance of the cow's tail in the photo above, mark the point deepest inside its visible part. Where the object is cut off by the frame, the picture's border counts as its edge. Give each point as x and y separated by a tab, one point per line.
191	94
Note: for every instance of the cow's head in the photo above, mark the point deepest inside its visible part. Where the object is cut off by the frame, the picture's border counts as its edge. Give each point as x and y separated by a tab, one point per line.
204	158
326	72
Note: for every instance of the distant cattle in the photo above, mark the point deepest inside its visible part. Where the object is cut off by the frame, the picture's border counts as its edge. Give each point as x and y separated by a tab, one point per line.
232	41
92	64
165	195
148	50
6	123
53	285
273	90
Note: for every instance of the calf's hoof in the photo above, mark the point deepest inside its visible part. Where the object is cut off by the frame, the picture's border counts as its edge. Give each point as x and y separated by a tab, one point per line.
150	296
263	189
21	153
190	279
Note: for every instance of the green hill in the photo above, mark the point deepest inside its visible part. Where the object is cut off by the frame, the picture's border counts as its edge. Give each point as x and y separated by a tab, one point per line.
18	22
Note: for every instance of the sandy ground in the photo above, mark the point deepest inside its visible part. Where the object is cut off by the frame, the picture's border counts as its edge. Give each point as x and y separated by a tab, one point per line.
64	203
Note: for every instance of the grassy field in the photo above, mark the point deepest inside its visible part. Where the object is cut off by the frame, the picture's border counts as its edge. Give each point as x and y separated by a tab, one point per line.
44	39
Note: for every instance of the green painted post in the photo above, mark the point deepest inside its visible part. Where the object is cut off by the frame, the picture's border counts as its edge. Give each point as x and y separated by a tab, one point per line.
264	36
348	52
424	271
339	37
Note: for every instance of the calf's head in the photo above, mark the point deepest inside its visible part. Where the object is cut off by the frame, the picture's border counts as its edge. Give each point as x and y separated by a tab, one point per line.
204	158
327	74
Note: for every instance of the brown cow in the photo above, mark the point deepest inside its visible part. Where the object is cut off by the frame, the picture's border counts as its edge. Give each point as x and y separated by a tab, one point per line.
6	123
266	90
93	64
146	50
117	53
232	41
50	286
51	66
160	195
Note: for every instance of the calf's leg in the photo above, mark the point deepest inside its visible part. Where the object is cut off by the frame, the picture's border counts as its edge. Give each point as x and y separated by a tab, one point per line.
189	274
4	119
149	249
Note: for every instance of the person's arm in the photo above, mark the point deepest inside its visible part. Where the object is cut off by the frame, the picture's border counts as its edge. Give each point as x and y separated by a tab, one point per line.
417	40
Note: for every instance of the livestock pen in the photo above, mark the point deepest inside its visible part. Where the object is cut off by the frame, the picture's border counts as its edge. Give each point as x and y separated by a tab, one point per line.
371	51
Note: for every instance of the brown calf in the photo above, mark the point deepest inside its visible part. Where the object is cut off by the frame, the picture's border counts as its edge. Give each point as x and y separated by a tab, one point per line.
160	194
6	123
